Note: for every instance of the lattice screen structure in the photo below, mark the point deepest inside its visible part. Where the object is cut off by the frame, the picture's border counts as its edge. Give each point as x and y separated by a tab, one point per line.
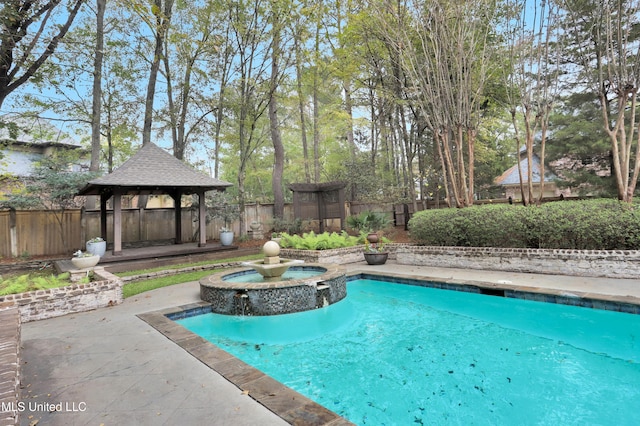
319	201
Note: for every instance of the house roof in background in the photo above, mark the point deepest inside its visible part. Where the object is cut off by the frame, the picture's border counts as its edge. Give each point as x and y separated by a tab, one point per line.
153	170
511	176
36	138
36	131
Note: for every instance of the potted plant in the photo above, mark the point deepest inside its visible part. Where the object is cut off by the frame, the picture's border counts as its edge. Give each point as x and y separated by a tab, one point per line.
84	260
223	209
226	236
97	246
374	253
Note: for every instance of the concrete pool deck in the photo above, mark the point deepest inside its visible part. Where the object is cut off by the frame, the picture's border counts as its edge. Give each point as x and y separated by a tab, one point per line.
110	367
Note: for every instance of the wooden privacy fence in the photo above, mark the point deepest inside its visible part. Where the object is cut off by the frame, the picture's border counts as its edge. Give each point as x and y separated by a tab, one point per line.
28	233
38	232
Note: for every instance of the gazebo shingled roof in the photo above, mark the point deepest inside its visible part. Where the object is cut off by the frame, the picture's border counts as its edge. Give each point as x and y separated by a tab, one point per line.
151	170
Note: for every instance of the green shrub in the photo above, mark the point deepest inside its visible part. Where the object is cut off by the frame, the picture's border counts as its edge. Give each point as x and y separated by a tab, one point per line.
313	241
279	225
368	221
602	224
32	282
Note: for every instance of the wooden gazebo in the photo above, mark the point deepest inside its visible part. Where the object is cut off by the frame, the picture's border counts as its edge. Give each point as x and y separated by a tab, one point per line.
149	171
319	201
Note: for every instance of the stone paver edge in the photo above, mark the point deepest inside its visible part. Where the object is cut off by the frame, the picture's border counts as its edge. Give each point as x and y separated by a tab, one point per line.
291	406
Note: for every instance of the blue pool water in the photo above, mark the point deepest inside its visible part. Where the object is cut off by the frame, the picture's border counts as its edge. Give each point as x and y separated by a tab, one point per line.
295	273
400	354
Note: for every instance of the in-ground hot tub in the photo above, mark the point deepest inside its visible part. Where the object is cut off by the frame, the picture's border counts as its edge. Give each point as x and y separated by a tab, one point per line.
301	288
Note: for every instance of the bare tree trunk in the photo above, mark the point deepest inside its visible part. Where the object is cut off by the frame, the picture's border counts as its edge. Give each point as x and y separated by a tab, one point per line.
303	120
471	149
96	94
173	121
109	143
220	107
274	125
445	176
316	111
97	87
163	18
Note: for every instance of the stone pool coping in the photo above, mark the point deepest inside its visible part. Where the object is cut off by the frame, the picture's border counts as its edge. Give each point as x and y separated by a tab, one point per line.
294	407
328	271
617	303
291	406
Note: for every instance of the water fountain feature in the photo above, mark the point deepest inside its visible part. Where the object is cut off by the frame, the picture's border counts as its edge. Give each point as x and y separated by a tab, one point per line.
272	267
274	286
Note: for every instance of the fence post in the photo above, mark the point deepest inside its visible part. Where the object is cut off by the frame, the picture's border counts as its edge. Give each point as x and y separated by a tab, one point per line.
13	232
83	227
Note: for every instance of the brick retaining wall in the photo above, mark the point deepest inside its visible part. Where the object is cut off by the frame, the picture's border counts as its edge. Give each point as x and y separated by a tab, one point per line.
583	263
9	366
340	256
54	302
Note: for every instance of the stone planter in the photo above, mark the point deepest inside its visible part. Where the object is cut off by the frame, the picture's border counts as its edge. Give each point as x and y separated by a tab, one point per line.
226	238
376	258
85	262
98	248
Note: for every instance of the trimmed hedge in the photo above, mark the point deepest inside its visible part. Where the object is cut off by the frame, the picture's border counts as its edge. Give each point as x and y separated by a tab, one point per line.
601	224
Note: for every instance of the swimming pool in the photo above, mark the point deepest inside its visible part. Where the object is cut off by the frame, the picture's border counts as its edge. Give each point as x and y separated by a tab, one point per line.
399	354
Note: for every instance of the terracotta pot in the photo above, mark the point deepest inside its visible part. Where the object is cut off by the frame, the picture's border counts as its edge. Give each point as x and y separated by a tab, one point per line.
372	237
376	258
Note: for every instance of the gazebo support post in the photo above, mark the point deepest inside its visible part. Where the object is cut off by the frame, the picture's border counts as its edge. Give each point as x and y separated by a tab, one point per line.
177	202
320	200
117	223
341	203
103	215
202	219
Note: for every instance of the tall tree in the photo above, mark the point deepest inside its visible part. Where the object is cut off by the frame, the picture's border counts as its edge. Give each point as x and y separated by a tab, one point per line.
316	100
189	41
23	53
606	49
249	28
579	147
277	13
96	93
68	86
300	35
533	83
447	49
222	70
158	18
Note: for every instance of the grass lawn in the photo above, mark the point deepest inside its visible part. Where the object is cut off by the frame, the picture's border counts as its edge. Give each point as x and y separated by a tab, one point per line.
42	280
186	265
138	287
